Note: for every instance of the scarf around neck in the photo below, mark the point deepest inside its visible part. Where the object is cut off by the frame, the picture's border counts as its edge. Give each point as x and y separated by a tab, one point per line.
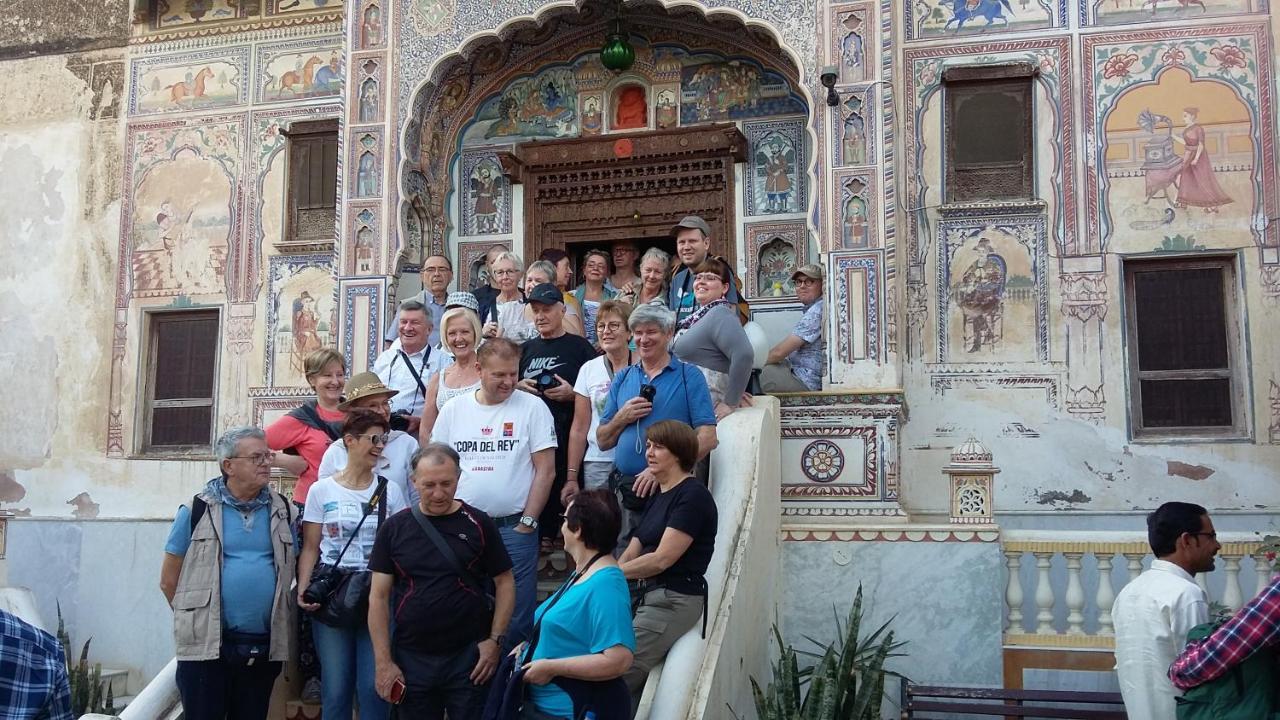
216	491
700	313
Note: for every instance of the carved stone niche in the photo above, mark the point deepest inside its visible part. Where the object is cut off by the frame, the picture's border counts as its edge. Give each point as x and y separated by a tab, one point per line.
633	187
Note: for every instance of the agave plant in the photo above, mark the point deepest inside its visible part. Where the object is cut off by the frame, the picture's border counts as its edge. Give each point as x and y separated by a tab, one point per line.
87	688
847	682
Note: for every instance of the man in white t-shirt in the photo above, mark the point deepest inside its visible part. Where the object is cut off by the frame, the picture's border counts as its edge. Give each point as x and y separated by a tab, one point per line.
365	390
1153	613
507	442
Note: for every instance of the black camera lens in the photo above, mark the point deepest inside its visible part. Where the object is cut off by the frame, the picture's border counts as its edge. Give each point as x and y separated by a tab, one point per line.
648	392
546	380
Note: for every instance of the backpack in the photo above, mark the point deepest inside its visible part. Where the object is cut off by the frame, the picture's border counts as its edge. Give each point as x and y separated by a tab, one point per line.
1245	692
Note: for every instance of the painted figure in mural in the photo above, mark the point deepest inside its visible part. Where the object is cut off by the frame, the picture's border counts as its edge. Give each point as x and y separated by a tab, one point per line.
1197	184
592	120
851	46
371	29
364	250
962	11
855	223
666	114
306	339
633	109
366	176
777	182
369	100
297	80
485	191
980	295
192	88
854	139
328	77
172	229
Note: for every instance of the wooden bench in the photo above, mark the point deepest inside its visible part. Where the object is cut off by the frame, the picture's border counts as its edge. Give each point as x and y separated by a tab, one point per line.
920	702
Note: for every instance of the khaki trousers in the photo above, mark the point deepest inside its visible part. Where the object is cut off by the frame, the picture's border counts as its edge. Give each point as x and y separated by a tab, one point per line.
659	622
777	377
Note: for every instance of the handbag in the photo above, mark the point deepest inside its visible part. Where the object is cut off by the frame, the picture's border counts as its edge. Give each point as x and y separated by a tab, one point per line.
452	558
624	485
343	593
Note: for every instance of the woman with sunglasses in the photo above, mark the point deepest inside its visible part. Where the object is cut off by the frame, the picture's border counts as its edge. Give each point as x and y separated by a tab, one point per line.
335	506
593	290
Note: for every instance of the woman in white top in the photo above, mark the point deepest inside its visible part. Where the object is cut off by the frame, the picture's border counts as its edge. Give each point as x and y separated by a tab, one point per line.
334	508
509	322
459	334
543	271
592	392
655	269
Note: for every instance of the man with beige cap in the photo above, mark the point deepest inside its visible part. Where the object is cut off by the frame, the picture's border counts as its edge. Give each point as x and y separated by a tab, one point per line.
693	246
798	362
365	390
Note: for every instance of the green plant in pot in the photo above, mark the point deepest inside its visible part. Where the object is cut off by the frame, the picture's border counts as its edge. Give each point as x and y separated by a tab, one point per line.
846	683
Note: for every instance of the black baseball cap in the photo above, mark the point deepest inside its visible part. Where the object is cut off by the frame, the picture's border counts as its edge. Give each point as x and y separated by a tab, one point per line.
545	294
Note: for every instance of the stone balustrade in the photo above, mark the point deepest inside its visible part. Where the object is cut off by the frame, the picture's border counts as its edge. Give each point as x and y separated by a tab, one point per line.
1060	586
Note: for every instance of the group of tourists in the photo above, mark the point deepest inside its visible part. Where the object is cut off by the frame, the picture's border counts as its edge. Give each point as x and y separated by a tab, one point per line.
495	422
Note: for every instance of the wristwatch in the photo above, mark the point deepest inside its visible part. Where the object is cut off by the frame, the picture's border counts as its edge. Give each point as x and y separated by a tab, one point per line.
500	639
529	522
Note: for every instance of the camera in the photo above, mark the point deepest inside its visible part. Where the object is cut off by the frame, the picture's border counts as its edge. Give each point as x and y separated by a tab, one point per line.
323	582
545	381
648	392
400	420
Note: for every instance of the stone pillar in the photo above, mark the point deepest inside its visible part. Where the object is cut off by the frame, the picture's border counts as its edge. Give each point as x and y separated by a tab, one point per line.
972	484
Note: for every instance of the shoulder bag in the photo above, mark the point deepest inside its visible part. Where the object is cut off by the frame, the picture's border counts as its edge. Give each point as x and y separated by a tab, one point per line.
451	557
343	593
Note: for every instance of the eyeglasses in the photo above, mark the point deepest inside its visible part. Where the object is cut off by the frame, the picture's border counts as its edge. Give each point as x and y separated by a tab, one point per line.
1210	535
263	458
374	438
802	281
708	277
506	271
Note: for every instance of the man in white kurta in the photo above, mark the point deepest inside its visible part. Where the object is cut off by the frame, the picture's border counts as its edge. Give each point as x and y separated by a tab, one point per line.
1153	613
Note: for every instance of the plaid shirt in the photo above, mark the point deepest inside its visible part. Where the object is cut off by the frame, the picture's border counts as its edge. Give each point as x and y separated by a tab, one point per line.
1255	626
33	673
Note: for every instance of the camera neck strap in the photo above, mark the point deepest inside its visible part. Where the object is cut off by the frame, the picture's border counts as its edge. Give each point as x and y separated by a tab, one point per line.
417	375
377	500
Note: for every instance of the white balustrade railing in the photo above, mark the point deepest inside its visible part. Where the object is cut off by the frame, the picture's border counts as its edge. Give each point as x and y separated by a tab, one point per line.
1060	586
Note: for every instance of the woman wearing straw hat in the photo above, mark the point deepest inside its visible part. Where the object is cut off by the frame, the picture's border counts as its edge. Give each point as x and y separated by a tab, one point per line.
365	391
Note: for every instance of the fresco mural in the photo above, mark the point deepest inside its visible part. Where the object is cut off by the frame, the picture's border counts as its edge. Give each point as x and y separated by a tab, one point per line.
851	26
945	18
540	106
592	116
371	30
713	89
852	129
193	81
776	167
181	211
1180	121
432	17
368	173
172	14
854	223
666	111
1122	12
300	314
992	302
774	249
486	195
294	7
299	69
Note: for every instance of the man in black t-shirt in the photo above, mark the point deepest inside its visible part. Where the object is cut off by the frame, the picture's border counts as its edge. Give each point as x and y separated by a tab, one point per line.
448	636
549	366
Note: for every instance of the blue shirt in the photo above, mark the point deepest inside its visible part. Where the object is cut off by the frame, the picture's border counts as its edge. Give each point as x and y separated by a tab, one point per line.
591	617
248	566
681	395
33	672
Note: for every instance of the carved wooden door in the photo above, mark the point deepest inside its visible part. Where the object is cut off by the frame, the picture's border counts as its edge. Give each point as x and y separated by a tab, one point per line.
627	187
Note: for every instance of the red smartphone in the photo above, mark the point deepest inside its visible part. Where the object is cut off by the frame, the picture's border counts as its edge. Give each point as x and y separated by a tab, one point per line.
397	691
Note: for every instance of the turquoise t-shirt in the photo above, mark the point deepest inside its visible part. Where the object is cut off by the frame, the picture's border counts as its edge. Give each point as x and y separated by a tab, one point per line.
591	617
248	566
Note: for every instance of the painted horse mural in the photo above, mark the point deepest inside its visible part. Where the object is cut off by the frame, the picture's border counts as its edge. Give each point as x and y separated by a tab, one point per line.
190	89
962	11
292	79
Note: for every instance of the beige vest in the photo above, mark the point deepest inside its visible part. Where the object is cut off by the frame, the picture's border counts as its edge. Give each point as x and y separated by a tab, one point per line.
197	602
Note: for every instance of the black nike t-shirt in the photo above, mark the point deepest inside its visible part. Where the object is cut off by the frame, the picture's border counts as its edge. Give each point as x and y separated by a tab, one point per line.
563	356
435	611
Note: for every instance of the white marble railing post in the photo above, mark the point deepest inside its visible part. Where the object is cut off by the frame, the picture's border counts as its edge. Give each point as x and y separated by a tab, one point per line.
1134	565
1013	592
1231	595
1044	595
1261	567
1075	594
1106	596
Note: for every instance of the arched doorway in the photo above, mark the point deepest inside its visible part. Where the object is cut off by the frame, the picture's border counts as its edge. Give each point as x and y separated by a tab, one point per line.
591	156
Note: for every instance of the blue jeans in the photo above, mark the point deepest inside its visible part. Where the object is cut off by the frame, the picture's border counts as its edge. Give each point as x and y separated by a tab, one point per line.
523	549
346	654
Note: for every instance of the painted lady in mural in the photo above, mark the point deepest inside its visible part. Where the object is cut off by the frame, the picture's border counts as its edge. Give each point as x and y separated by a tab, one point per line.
542	106
592	118
368	104
300	317
201	82
1180	151
371	27
853	57
181	227
294	70
667	112
853	146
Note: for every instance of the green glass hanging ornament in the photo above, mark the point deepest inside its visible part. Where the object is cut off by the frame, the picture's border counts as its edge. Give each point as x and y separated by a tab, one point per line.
617	53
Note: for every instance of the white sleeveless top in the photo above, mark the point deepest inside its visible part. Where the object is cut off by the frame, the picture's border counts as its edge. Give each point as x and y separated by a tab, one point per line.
444	393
